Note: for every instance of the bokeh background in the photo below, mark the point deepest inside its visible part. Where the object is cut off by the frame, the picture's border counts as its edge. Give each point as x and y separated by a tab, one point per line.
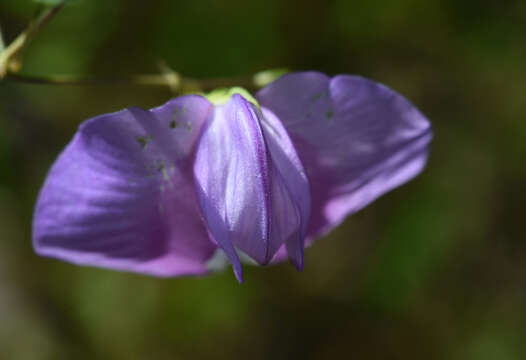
433	270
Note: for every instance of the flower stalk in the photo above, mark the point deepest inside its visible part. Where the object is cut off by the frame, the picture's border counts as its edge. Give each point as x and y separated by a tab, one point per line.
176	82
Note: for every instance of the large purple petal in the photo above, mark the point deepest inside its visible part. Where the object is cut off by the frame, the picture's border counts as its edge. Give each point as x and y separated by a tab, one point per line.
121	194
356	139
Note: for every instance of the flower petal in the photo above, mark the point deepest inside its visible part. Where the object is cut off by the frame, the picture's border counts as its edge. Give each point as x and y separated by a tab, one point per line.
232	182
356	139
121	194
252	188
290	192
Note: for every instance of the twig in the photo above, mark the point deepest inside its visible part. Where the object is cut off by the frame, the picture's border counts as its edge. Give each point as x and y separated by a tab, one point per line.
168	77
13	49
184	84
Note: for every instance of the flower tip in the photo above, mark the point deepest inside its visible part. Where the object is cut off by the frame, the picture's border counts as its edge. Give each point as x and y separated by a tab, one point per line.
296	252
238	272
298	263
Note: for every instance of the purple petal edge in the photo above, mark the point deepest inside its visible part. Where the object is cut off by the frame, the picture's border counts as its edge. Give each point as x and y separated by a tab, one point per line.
109	198
357	140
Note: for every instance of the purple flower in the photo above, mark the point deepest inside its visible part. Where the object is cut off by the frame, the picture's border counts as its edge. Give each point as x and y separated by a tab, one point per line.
171	191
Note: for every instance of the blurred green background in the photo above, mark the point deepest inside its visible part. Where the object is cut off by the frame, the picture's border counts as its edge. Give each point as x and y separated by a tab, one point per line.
433	270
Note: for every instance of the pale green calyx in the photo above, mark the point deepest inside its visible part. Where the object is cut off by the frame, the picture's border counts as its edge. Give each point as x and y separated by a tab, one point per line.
222	95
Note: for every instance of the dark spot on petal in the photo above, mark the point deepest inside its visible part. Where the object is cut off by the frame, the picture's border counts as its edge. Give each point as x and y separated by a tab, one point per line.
317	96
330	114
160	166
148	170
144	140
173	124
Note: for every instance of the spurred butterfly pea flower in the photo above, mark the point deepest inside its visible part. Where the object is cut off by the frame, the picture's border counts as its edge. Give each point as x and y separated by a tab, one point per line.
173	190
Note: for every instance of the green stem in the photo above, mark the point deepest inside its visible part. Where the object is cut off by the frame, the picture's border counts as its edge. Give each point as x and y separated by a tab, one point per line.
173	80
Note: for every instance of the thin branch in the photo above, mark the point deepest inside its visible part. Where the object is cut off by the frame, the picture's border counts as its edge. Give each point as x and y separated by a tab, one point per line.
45	17
148	80
183	84
13	49
168	77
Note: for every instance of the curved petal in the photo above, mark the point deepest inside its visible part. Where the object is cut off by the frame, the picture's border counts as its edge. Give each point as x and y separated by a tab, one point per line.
121	194
290	193
251	186
356	139
231	181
